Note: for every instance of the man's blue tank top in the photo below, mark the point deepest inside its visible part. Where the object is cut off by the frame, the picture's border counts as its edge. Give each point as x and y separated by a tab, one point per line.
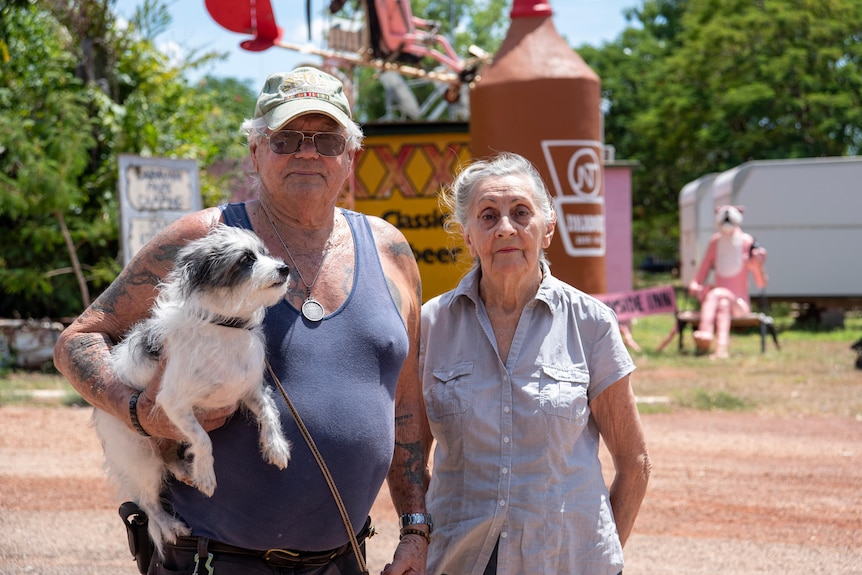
341	374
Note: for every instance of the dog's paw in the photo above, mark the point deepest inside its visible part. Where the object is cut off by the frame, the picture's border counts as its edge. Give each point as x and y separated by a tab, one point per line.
165	527
277	452
175	529
205	482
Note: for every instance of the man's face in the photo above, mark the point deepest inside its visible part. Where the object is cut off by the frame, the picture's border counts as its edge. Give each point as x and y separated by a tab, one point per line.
305	173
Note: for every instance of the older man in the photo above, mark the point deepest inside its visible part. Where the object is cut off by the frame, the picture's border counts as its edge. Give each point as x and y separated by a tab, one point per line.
344	342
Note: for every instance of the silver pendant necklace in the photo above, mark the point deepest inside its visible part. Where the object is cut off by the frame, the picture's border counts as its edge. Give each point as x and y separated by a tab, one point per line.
311	309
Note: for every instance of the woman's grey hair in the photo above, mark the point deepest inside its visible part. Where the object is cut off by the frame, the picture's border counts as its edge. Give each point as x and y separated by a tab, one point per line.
252	129
458	199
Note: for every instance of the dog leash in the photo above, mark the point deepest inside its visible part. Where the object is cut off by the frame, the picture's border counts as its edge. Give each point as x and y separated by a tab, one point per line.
354	543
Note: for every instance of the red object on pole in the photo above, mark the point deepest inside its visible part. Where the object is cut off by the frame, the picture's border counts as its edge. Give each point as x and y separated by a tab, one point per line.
529	8
540	99
253	17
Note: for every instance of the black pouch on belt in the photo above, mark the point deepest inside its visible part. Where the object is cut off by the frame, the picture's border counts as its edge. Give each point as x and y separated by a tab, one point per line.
140	545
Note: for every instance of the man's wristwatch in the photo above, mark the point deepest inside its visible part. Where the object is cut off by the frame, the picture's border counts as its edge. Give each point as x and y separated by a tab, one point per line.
409	519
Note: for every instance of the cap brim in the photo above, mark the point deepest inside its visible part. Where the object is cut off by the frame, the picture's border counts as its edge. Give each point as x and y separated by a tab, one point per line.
286	112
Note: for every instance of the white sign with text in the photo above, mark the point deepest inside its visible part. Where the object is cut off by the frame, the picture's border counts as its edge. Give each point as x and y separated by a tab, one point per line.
154	192
576	177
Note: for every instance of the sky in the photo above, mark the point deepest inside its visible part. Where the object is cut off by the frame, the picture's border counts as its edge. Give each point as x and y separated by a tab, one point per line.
579	21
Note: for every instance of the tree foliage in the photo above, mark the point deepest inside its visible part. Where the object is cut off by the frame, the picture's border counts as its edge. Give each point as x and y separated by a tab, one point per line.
691	86
76	91
700	86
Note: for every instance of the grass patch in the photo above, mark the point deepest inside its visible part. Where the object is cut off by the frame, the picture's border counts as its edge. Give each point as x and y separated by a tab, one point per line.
813	373
649	408
37	389
705	400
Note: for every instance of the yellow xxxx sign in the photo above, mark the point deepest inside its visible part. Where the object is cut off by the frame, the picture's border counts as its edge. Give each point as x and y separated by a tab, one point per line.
398	176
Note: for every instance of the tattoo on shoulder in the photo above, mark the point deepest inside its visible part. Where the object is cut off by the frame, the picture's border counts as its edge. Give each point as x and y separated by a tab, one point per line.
400	248
395	293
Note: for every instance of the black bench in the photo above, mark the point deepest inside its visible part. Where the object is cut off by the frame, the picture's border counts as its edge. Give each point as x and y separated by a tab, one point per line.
755	319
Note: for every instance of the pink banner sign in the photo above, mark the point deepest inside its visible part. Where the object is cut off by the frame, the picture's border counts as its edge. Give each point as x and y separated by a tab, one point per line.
628	305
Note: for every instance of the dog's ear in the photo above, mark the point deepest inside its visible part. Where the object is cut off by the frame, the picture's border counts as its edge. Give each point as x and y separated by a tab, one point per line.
194	265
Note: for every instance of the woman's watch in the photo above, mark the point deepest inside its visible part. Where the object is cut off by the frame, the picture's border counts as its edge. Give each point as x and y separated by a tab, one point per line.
409	519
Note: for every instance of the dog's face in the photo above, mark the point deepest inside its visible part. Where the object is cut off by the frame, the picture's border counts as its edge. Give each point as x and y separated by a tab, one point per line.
230	272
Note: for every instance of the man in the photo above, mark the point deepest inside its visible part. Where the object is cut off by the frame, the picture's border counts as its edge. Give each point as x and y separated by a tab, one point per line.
344	343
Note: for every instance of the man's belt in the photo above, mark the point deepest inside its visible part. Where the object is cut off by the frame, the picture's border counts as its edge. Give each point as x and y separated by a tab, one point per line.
277	557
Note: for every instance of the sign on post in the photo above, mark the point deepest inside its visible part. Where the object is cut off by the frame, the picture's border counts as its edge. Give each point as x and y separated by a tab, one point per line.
637	303
153	193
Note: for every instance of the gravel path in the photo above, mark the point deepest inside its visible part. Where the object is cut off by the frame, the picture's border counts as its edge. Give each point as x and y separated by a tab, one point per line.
731	494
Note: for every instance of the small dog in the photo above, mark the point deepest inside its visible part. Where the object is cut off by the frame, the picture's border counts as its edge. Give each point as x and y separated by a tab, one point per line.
207	321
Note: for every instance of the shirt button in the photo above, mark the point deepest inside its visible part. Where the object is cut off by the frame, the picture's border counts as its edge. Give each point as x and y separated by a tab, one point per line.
502	503
503	535
506	409
506	439
504	471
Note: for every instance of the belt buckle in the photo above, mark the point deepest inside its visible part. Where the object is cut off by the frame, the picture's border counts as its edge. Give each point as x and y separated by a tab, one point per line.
288	558
280	557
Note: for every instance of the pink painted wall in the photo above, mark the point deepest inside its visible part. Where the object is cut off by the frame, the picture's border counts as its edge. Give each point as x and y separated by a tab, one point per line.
618	222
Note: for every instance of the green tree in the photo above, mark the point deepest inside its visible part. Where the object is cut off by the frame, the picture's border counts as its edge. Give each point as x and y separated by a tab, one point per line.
77	91
46	138
700	86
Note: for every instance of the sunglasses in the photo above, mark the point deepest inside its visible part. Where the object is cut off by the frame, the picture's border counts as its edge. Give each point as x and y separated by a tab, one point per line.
287	142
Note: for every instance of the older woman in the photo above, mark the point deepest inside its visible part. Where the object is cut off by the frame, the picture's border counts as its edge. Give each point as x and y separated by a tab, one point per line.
522	374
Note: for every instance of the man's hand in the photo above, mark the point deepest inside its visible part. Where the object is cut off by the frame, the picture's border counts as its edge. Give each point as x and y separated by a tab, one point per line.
156	423
410	556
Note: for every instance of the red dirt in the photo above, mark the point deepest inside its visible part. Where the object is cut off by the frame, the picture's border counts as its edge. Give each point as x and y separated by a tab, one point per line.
730	493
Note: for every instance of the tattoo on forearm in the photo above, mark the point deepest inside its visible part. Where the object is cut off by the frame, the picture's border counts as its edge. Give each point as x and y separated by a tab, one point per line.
87	360
413	467
414	464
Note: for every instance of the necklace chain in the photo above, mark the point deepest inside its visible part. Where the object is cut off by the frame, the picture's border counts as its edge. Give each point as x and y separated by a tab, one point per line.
307	285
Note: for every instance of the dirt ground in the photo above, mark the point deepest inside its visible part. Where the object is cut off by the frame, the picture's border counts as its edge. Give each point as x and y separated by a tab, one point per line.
730	494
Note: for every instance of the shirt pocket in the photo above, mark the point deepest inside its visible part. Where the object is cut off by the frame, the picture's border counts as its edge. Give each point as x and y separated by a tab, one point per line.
563	392
449	392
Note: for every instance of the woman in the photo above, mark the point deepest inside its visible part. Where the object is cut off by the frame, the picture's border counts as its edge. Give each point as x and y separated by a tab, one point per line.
522	374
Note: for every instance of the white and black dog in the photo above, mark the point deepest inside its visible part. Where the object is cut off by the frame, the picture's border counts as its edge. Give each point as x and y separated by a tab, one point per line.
207	321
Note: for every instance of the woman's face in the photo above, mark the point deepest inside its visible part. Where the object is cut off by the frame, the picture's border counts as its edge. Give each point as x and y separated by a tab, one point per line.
505	229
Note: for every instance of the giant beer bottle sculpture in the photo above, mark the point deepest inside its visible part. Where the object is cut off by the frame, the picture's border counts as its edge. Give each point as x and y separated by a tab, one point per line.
540	99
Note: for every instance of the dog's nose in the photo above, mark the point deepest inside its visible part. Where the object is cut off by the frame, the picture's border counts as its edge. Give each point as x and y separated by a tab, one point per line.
284	270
